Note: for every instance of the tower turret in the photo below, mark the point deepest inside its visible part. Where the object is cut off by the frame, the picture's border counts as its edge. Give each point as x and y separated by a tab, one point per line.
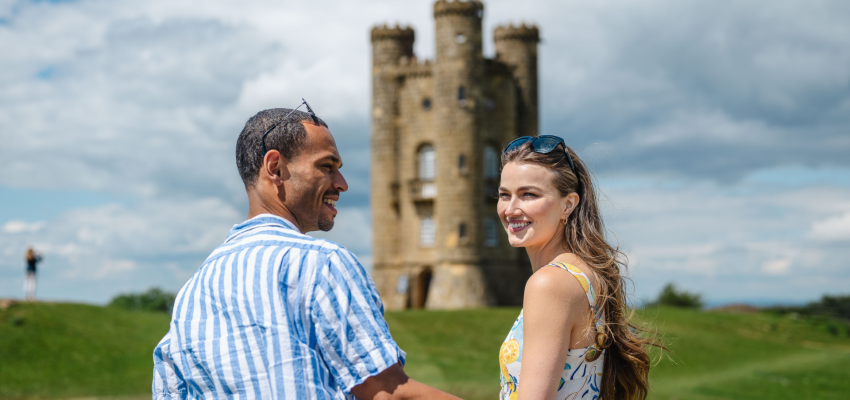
389	45
458	30
458	75
517	47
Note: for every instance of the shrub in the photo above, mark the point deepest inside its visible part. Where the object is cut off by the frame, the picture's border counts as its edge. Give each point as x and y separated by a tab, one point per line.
828	306
672	297
155	299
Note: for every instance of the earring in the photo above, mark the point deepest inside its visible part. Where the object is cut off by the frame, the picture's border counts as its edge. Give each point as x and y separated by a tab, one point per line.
564	220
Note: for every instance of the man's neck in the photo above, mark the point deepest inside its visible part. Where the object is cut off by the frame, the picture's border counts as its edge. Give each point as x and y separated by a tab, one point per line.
257	205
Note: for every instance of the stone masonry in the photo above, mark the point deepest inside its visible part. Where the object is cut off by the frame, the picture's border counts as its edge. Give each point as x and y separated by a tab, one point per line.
438	128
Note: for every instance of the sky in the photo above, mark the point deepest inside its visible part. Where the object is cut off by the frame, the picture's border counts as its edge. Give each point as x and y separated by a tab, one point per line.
718	133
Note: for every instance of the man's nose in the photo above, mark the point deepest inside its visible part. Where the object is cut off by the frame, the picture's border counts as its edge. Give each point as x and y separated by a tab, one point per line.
339	182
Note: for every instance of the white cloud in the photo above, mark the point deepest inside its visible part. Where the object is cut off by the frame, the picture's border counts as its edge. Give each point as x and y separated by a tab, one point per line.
23	227
776	267
833	228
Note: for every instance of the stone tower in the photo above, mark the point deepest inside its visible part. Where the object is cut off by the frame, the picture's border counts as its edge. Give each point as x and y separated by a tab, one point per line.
437	133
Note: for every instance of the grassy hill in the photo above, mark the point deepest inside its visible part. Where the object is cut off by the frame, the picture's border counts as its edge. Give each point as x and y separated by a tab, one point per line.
72	350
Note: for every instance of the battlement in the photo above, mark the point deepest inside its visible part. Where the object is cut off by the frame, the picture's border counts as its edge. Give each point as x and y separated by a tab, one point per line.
470	8
511	32
392	33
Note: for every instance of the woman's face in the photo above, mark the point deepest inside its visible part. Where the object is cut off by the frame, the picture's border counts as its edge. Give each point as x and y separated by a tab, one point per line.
530	207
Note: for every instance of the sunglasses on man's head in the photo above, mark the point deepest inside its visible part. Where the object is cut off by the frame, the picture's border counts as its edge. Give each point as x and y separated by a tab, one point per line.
309	110
543	144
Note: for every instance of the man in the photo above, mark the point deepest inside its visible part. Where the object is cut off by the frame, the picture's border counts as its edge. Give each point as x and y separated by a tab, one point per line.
272	312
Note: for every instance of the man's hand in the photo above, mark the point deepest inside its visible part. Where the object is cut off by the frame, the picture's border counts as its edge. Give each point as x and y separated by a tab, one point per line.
393	384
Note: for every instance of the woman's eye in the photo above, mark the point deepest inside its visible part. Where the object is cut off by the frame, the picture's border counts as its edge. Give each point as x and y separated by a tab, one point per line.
529	194
504	196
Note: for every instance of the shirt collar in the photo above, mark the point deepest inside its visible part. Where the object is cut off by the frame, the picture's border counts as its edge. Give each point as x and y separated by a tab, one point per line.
259	220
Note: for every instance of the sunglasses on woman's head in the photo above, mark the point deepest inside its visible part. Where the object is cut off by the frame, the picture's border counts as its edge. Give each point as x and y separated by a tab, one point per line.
543	144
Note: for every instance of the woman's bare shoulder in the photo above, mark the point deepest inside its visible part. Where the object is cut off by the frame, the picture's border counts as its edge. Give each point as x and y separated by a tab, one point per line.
553	285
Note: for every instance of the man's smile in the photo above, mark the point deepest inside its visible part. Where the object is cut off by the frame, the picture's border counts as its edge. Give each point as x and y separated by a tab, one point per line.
330	203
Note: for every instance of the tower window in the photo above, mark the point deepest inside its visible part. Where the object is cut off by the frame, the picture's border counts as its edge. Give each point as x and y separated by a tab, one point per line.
426	104
462	231
460	38
427	232
461	163
491	232
427	159
491	163
461	93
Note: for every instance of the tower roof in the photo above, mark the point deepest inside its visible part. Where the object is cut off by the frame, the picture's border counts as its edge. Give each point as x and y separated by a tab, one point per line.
522	32
458	7
392	33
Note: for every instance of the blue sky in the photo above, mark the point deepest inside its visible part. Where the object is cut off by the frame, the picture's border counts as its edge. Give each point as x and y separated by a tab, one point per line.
719	134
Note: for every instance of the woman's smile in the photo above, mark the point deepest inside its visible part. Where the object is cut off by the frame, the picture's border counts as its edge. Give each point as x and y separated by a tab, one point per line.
517	225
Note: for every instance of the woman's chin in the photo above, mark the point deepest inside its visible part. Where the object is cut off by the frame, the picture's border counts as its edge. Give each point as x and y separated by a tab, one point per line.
516	242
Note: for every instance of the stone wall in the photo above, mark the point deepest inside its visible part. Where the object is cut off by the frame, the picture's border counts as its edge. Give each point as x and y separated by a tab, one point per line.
418	103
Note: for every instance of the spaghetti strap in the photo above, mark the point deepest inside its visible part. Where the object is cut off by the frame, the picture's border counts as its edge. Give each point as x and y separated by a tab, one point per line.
582	279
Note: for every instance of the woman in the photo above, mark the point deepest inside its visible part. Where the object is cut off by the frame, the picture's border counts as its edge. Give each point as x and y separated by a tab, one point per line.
32	259
573	339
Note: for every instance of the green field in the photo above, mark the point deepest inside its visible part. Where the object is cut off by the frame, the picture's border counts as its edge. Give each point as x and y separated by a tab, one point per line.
74	351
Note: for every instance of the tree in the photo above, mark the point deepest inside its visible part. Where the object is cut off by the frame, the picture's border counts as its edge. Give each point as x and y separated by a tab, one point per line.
155	299
672	297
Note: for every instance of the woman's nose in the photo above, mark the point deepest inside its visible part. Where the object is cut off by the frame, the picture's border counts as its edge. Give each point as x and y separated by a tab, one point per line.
513	207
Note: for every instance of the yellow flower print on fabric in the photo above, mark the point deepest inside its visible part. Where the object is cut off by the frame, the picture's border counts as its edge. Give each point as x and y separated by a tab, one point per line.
508	354
510	351
504	369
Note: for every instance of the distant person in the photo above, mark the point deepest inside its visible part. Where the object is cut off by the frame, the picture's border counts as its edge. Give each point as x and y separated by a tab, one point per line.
572	339
276	314
32	259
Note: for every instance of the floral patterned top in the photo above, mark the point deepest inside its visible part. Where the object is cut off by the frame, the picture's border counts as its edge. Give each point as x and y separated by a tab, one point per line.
580	379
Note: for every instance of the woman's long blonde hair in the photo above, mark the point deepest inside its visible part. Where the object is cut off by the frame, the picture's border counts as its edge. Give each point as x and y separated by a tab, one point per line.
625	374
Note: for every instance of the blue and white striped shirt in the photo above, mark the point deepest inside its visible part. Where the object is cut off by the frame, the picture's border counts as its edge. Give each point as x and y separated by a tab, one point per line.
273	313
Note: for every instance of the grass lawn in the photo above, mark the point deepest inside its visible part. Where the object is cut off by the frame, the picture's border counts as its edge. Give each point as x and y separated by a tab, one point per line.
74	351
714	355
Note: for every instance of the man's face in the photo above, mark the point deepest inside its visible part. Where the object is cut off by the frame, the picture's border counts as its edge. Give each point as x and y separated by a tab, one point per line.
315	183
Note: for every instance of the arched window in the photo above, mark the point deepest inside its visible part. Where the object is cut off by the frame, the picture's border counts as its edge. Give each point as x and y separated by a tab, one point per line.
427	232
491	232
427	159
491	163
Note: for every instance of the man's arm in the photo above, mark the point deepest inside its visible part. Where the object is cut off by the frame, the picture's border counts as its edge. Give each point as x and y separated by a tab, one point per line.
393	384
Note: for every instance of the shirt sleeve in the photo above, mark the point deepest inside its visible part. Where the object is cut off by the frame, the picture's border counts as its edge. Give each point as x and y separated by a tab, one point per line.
348	321
168	383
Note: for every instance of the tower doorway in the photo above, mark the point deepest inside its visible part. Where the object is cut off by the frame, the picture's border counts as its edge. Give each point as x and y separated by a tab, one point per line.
423	285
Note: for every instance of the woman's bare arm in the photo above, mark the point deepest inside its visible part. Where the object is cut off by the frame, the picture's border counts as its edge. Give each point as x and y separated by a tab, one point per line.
553	303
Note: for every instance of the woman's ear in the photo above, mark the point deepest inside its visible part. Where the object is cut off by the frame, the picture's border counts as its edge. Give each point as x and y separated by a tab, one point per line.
570	203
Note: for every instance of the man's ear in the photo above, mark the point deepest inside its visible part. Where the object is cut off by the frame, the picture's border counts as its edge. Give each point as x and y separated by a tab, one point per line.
275	167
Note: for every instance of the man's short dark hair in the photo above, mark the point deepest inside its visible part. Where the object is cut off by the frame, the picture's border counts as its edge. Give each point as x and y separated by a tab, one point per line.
287	138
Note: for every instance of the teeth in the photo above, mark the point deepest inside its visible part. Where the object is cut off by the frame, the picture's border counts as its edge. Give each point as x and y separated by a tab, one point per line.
519	224
332	202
